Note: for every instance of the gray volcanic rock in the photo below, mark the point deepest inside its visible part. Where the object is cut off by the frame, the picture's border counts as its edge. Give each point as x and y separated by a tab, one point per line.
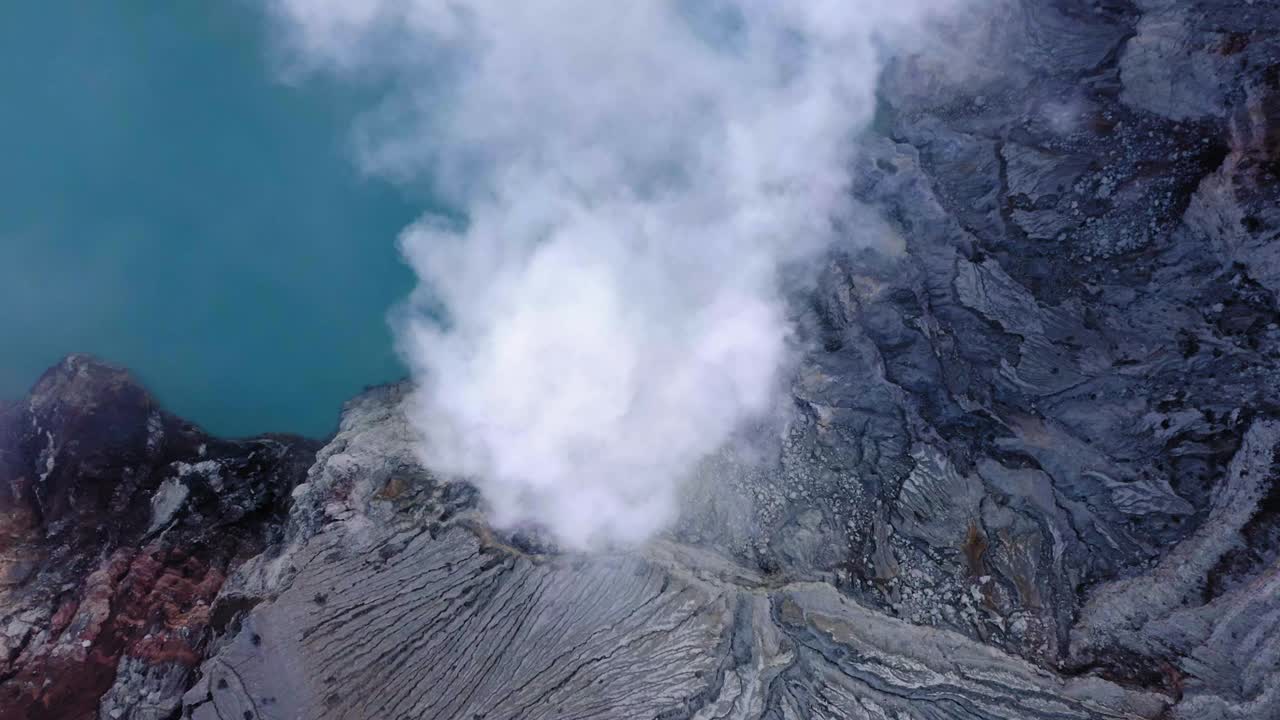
118	525
1025	467
391	598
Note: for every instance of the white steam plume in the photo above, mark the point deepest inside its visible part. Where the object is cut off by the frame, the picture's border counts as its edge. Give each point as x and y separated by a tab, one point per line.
633	174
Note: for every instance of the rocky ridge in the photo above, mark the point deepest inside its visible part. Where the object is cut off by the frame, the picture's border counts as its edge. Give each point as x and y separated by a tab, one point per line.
119	524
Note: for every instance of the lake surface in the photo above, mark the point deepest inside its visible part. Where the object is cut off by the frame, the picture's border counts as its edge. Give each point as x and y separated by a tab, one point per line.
168	204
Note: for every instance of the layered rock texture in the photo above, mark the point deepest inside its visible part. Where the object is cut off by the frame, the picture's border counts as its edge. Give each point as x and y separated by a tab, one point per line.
1026	466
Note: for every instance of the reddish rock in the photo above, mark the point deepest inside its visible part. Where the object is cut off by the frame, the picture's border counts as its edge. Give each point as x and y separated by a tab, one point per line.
85	581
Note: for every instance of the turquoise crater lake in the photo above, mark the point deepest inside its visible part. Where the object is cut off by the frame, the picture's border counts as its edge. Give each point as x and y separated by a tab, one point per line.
168	204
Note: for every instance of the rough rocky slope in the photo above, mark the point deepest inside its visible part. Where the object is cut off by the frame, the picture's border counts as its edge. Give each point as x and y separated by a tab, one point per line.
119	524
1027	466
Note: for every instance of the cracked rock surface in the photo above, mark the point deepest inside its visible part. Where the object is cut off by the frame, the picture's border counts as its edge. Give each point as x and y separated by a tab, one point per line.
396	601
1027	467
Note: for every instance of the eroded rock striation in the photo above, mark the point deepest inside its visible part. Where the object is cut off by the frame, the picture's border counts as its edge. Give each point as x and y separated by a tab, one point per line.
1027	465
